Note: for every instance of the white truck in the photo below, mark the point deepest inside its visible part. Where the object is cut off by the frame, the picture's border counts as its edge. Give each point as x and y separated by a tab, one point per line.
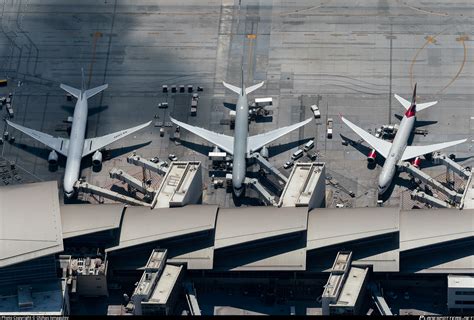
316	112
329	128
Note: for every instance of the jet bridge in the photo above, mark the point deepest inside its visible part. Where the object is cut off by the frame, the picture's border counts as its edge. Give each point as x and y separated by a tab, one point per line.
417	173
263	162
426	198
441	158
132	182
159	167
106	193
267	197
379	300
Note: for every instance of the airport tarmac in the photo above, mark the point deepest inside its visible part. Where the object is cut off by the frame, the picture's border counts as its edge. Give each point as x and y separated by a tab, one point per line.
349	57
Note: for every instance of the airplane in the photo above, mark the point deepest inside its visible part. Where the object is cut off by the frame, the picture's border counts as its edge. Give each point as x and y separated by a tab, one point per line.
77	147
398	150
240	146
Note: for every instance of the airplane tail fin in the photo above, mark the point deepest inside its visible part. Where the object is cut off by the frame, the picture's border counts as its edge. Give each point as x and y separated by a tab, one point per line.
87	93
419	106
83	81
242	84
413	98
242	90
239	90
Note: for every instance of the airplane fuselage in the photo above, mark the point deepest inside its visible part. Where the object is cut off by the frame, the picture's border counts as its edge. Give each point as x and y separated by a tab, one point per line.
76	145
241	131
399	145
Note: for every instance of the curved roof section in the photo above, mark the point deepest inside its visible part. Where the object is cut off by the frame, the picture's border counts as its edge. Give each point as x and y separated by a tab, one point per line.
420	228
82	219
327	227
241	225
29	229
141	225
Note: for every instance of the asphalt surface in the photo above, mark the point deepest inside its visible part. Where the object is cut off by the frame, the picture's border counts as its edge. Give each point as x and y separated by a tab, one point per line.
349	57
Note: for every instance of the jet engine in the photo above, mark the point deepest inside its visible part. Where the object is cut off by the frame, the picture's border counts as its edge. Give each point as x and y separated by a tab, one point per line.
53	158
416	162
97	158
371	157
264	152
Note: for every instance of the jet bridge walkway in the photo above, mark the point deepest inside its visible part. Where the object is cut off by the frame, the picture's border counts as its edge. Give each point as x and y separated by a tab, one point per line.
263	162
417	173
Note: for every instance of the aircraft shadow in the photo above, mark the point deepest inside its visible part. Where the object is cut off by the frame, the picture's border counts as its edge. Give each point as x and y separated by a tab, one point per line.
365	151
110	154
418	123
263	119
277	149
92	110
199	148
397	181
43	153
246	201
230	106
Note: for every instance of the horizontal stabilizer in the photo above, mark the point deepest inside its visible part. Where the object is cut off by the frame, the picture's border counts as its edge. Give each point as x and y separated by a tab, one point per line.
419	106
416	151
73	91
254	87
232	88
92	92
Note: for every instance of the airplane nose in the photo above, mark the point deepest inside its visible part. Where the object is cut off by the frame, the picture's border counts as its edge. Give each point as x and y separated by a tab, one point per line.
68	189
384	182
69	194
238	189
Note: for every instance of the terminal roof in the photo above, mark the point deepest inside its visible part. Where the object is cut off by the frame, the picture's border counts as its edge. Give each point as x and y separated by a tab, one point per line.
30	222
241	225
141	225
327	227
79	219
419	228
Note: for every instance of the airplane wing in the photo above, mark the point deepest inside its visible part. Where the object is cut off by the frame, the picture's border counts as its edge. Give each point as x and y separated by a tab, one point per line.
381	146
60	145
256	142
93	144
223	141
416	151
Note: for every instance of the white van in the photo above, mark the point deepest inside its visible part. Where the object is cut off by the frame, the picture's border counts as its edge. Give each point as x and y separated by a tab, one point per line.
298	154
309	145
316	112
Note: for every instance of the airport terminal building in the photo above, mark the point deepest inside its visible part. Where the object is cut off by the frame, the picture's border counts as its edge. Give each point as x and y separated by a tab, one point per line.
251	244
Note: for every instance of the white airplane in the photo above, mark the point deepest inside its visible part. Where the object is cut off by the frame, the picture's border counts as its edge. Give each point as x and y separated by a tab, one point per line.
240	146
398	150
77	146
